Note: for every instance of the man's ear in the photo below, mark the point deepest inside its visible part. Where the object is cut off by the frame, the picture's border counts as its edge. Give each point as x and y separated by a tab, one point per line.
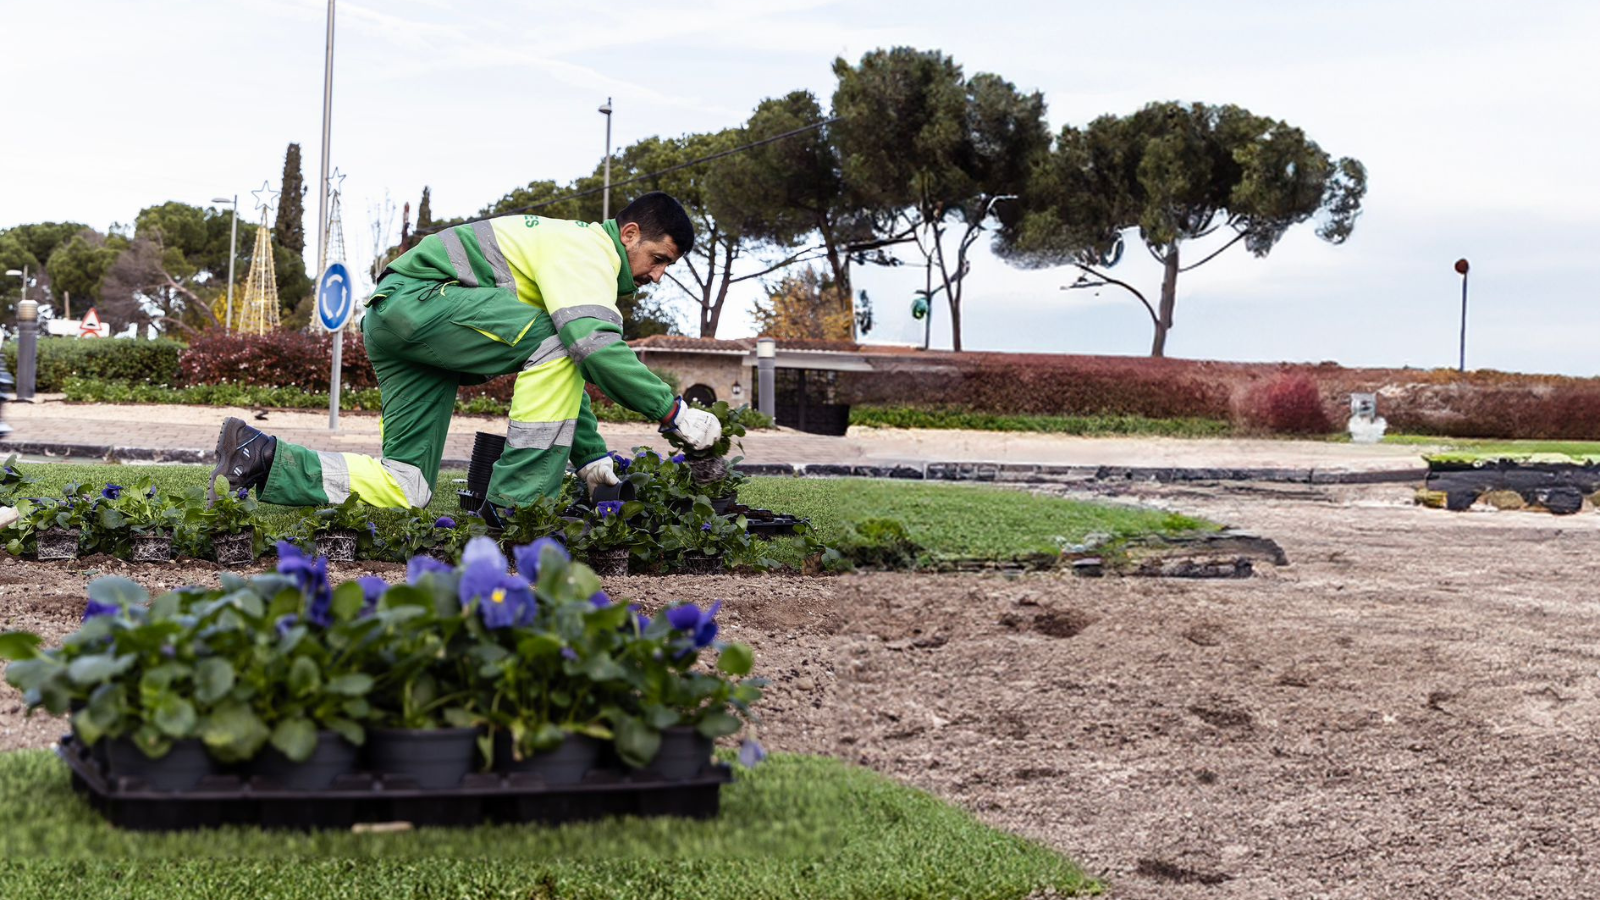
629	234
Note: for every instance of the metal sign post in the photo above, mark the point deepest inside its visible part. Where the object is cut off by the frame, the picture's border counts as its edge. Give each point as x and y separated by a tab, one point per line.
335	303
322	233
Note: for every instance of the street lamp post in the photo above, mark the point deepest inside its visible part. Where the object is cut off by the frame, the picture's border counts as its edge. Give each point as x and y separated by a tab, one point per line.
7	383
605	196
233	252
27	348
1462	267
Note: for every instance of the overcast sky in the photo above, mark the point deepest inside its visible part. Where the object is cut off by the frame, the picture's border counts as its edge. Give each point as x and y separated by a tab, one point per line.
1478	124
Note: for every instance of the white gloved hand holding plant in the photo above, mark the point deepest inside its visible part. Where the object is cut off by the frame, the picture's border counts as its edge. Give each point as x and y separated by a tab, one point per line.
600	473
698	428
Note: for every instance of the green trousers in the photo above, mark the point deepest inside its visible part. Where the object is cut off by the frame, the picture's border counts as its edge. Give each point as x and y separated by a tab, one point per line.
425	339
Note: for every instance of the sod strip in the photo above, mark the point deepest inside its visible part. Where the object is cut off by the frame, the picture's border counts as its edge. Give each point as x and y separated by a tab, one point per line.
949	520
796	826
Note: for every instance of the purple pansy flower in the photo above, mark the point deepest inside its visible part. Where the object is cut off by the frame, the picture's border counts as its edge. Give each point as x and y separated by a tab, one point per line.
311	576
372	587
639	618
419	566
608	508
372	529
111	491
503	600
96	608
599	600
242	493
706	527
751	753
528	556
444	522
285	623
701	626
621	462
568	653
677	457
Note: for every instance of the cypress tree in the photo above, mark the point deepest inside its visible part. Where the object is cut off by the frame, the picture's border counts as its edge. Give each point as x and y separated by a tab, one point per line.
289	230
424	212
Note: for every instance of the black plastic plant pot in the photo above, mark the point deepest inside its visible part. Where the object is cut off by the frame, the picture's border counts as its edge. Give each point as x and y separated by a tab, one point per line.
181	769
606	563
621	492
720	505
704	470
333	757
684	752
235	549
566	764
431	757
701	564
337	546
59	543
152	548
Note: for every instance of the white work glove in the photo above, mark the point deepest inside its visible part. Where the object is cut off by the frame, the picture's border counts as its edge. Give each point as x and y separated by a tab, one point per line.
600	473
700	428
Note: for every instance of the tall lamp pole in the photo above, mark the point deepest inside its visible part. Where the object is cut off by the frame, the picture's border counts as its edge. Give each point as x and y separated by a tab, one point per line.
27	340
605	196
1461	266
233	252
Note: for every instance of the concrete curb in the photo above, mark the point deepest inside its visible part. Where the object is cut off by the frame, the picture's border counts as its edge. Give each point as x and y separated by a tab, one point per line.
1010	473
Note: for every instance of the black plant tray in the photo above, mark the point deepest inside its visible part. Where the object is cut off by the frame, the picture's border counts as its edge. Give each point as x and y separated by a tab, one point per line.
764	523
367	798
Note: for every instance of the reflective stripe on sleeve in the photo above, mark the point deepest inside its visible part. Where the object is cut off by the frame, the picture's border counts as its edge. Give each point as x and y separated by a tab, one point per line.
600	339
592	311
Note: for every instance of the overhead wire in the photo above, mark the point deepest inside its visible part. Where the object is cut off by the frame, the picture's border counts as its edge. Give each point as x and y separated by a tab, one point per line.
656	174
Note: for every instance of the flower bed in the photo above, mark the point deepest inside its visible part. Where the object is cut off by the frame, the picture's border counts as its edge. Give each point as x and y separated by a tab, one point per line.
279	678
670	526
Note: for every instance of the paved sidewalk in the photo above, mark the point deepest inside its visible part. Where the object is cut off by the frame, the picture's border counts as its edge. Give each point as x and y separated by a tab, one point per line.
189	434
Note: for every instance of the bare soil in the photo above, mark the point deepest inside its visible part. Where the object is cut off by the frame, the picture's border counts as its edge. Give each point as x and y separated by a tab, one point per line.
1410	708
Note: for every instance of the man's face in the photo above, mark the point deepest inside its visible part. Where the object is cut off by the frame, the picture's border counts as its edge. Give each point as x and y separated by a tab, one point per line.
648	260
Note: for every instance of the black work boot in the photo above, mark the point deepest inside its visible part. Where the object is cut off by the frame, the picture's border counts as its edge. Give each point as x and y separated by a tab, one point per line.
244	456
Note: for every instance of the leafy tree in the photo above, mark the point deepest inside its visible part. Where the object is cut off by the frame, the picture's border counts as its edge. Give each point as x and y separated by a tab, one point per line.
804	306
790	193
77	266
289	229
1176	173
14	254
929	152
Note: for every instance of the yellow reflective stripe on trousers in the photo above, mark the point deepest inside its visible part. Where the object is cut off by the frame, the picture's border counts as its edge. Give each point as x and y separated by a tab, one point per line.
552	392
388	483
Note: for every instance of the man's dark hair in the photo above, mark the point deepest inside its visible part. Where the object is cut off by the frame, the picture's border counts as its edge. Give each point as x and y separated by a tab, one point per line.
658	215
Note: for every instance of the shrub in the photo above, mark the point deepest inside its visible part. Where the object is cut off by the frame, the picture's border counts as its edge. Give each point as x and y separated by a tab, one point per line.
1286	404
125	360
276	359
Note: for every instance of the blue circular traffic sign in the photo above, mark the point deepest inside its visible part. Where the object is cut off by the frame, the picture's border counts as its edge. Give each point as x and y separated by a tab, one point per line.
335	298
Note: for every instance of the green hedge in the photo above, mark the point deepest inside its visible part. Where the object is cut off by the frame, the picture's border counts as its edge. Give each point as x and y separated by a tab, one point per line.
124	360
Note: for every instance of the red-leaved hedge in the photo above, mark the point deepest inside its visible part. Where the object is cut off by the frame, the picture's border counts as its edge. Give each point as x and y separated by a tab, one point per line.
275	359
1285	404
1483	403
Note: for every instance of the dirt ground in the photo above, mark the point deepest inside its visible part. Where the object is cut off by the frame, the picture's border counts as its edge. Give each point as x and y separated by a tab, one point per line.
1410	708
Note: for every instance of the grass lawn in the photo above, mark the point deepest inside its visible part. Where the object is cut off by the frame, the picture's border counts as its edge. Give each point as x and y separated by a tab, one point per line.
794	827
959	520
1468	449
949	520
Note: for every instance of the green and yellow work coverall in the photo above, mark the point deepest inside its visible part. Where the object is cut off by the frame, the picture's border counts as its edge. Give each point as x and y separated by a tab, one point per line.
522	294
